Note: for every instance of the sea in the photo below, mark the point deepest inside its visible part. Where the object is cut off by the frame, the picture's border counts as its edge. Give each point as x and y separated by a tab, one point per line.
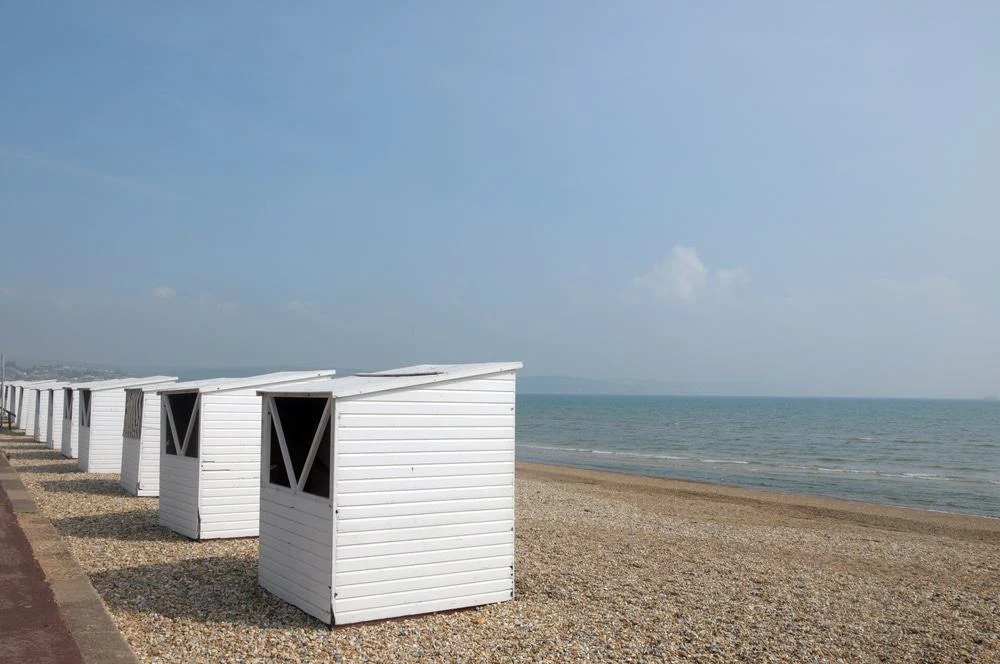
931	454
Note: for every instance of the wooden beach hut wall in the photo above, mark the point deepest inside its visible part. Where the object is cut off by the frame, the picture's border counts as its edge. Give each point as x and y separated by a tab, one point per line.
28	407
140	471
53	433
40	426
31	425
390	494
210	454
11	402
35	432
102	416
8	399
15	399
20	406
69	444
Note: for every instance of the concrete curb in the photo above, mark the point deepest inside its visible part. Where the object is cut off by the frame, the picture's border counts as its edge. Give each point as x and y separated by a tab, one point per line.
90	624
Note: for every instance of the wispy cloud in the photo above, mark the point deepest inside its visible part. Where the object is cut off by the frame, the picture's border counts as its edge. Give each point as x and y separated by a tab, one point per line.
64	167
7	291
683	277
163	293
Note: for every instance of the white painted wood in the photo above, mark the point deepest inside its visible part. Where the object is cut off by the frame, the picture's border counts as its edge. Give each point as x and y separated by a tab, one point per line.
141	456
438	602
27	422
70	444
131	455
422	507
101	440
219	496
415	598
176	440
296	549
42	415
382	524
195	410
314	448
54	438
36	419
282	444
364	576
373	472
179	494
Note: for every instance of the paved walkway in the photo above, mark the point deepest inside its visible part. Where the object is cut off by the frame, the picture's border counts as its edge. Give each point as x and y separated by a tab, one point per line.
49	611
31	627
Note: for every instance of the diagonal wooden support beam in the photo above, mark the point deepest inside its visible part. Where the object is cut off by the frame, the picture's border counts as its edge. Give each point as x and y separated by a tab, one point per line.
190	428
170	420
276	418
314	448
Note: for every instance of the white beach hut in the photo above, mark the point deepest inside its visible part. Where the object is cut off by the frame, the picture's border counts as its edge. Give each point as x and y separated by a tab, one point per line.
29	407
20	405
25	408
18	399
54	414
101	418
140	470
8	403
10	400
15	398
210	454
69	444
40	420
390	494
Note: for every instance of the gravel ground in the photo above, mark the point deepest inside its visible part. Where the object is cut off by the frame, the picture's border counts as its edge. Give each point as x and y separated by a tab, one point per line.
609	568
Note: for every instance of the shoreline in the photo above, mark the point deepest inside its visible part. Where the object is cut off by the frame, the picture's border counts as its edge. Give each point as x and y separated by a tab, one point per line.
763	490
764	498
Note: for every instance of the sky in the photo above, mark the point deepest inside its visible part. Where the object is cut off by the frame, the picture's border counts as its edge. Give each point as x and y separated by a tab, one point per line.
794	198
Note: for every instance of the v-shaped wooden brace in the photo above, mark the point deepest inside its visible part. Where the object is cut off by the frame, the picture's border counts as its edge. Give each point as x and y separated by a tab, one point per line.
298	483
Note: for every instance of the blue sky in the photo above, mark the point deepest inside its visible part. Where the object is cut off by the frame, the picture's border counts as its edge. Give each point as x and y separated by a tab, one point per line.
784	198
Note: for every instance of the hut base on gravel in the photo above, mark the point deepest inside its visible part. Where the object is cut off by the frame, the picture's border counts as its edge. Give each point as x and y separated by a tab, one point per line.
609	567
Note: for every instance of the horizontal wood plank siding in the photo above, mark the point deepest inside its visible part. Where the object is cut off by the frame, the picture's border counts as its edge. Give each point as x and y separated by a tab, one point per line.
130	465
54	438
424	487
26	417
296	549
141	456
230	464
149	452
70	444
101	443
42	421
179	494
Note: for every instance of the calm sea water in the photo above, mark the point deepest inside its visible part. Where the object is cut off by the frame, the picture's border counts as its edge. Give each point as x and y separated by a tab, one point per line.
942	455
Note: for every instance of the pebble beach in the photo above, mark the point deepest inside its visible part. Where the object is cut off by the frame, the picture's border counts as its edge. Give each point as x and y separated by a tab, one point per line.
609	567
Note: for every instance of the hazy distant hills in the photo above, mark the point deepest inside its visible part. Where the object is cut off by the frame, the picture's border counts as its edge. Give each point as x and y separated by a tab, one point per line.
68	371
